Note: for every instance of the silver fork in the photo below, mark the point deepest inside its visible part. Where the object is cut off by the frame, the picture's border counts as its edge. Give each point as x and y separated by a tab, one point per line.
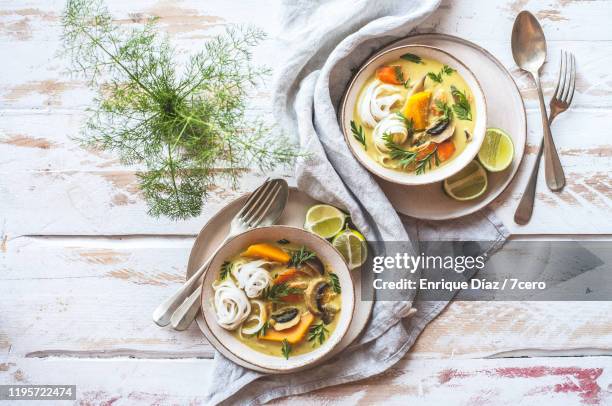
255	209
561	100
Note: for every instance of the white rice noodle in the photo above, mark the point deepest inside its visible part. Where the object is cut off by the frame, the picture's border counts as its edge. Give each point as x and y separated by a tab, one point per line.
376	102
232	307
393	125
261	315
253	277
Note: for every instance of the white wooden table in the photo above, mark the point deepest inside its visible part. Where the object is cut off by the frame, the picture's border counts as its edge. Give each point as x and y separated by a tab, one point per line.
82	265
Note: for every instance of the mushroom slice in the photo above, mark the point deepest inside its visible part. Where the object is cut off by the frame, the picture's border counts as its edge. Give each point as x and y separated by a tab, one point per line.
313	293
417	87
316	296
448	132
285	318
316	264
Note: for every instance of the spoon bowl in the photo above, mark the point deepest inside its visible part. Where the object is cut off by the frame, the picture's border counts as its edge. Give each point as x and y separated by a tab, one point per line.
528	42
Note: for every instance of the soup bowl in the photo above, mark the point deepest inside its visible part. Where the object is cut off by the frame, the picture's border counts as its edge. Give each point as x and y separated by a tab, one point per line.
403	177
329	256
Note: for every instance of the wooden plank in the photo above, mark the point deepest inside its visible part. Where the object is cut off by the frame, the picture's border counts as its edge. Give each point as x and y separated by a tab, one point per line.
528	381
93	297
65	189
40	84
45	86
582	380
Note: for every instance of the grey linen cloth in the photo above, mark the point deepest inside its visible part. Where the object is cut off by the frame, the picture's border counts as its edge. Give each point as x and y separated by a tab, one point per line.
325	42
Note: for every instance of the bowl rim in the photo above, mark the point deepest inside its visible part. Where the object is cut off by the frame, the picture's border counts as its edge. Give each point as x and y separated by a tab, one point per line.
340	334
351	85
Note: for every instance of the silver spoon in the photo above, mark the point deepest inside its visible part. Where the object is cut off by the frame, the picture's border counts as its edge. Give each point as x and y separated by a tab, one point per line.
263	207
529	52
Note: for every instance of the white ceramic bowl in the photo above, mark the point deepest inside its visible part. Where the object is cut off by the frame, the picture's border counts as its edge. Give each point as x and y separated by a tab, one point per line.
328	255
434	175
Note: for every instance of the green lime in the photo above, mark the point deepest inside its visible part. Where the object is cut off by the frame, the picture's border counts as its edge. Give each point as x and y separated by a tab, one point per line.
497	150
467	184
352	246
324	220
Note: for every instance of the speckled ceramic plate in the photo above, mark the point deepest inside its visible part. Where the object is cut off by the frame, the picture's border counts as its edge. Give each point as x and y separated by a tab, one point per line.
213	233
505	109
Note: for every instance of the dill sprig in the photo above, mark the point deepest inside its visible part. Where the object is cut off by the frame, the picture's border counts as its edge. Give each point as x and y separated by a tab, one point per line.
286	349
399	75
359	134
438	77
226	269
264	328
445	109
403	156
462	107
317	333
412	58
277	292
425	163
298	257
186	128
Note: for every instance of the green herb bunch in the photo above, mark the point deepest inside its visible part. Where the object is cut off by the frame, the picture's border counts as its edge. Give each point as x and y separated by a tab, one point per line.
185	126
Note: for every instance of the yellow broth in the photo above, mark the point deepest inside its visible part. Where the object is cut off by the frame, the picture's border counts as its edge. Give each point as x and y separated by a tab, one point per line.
412	73
304	346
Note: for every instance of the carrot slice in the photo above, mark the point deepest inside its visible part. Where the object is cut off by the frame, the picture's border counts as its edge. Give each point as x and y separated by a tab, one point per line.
294	334
446	149
267	251
421	154
293	298
286	275
389	74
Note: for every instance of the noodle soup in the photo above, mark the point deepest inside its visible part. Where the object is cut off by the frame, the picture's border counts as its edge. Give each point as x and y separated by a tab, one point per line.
278	298
414	115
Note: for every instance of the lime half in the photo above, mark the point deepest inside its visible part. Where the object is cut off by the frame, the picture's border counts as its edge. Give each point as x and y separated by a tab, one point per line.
497	150
324	220
469	183
352	246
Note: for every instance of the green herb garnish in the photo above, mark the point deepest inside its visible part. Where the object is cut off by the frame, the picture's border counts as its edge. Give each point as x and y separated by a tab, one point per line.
180	122
399	75
226	269
334	281
262	331
317	333
277	292
438	77
359	134
462	107
404	156
412	58
300	256
445	109
426	163
408	121
286	349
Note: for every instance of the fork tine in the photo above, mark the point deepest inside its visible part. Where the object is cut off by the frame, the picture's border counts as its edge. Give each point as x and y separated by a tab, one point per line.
263	208
556	93
572	79
567	74
254	198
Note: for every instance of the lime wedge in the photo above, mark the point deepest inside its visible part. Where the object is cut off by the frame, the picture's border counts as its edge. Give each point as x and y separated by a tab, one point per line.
467	184
497	150
352	246
324	220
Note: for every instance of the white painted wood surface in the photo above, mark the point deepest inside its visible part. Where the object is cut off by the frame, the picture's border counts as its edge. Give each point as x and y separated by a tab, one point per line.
82	265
